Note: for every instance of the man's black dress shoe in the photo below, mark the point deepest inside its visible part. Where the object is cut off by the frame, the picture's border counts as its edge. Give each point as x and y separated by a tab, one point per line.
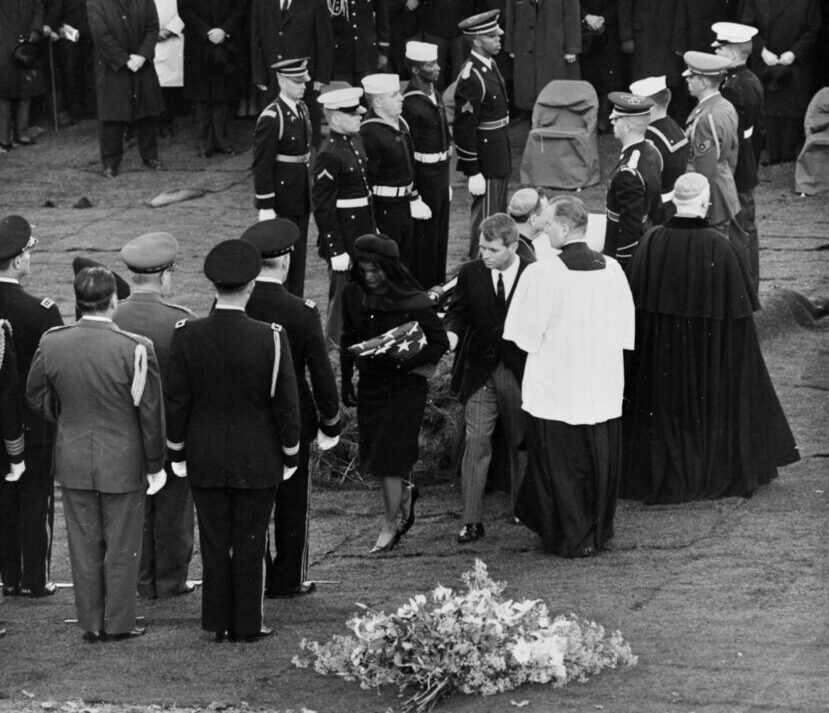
109	172
301	590
153	164
409	521
221	636
471	531
10	591
188	588
48	590
263	632
134	634
91	637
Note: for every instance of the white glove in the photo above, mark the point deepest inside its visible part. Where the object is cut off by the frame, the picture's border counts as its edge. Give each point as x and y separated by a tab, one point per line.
477	184
267	214
156	481
419	210
787	58
451	193
453	341
324	442
341	262
769	57
179	468
17	470
287	472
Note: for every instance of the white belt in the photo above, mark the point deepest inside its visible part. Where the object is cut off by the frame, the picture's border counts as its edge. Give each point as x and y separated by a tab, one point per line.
352	202
667	197
392	191
748	133
613	216
496	124
431	157
302	158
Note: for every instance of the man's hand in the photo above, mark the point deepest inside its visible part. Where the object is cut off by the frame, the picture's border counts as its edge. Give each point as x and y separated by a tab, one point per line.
453	340
569	58
317	86
16	472
419	210
787	58
628	47
769	57
165	34
382	62
217	35
341	262
135	62
267	214
324	442
477	184
179	468
411	5
287	472
156	481
594	22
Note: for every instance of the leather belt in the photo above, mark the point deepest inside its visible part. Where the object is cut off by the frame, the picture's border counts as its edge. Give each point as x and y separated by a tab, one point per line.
284	158
497	124
352	202
392	191
431	157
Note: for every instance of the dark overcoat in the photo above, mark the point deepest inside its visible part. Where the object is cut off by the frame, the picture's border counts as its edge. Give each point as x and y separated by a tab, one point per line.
361	31
786	26
651	25
121	28
539	33
205	79
18	18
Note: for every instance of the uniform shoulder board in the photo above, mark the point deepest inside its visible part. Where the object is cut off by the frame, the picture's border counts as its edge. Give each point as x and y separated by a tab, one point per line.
633	161
46	303
276	327
180	308
310	304
467	68
181	323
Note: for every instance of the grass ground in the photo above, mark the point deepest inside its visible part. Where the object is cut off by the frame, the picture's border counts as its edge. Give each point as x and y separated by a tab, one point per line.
724	601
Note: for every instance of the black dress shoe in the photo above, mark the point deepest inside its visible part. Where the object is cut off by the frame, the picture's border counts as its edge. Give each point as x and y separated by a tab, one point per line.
265	631
301	590
48	590
221	636
133	634
409	521
10	591
91	637
109	172
153	164
471	531
188	588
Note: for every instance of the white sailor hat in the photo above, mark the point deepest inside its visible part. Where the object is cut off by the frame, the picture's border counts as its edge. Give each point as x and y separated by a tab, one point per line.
732	33
484	23
421	51
346	100
649	86
296	69
381	83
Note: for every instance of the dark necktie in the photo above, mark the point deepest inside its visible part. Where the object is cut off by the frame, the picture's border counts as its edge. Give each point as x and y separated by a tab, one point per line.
500	294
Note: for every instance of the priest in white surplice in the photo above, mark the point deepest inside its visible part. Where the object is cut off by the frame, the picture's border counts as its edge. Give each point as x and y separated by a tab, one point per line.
574	316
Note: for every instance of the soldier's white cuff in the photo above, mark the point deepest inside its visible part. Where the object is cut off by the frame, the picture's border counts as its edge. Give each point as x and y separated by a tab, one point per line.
291	450
17	470
325	443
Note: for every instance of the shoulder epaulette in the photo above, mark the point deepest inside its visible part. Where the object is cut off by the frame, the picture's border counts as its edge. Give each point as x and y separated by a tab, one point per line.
57	328
181	323
46	303
633	161
310	304
180	308
467	68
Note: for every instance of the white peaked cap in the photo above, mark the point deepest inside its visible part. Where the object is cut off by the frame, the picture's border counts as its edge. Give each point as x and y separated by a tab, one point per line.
732	33
649	86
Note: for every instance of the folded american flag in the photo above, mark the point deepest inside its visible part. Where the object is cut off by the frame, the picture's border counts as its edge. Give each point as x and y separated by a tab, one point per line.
400	343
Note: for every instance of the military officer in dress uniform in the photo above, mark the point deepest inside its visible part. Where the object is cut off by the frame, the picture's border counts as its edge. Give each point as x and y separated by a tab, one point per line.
168	515
233	429
668	137
319	409
26	504
745	91
481	126
712	132
390	169
341	196
102	388
361	38
633	195
425	114
281	156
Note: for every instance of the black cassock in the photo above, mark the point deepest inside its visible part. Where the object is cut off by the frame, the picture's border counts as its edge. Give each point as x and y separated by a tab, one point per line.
701	417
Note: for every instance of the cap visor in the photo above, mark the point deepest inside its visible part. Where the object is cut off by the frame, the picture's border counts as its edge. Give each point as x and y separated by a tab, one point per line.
687	73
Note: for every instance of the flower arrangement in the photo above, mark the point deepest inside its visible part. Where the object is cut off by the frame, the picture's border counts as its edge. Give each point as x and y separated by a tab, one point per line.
474	641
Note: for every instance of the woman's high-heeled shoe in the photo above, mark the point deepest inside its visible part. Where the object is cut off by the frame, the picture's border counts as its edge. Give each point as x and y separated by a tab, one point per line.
388	547
406	525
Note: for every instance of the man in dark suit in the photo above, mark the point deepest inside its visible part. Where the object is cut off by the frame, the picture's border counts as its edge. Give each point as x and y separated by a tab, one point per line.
271	302
287	29
101	386
491	369
281	155
168	515
26	504
232	404
361	38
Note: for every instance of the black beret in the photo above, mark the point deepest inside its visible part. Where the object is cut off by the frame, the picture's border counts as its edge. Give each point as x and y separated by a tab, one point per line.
15	232
232	263
272	238
122	288
377	243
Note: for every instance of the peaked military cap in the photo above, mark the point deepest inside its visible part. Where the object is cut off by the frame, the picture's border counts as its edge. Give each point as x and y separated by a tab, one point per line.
625	104
704	64
272	238
232	263
296	69
377	243
484	23
15	236
732	33
346	100
150	253
648	86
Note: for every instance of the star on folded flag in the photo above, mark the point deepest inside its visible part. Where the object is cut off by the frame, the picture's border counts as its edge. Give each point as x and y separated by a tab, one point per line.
401	343
404	346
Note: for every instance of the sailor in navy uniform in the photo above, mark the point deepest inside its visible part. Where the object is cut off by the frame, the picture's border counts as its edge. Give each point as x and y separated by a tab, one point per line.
168	515
390	170
633	194
745	91
233	429
26	504
668	137
318	404
425	114
281	156
340	196
481	125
